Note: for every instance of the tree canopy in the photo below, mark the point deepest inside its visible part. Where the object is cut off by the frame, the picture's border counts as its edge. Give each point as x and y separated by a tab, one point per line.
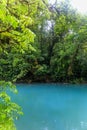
42	42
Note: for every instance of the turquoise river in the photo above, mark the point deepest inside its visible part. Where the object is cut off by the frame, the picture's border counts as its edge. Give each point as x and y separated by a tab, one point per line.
52	106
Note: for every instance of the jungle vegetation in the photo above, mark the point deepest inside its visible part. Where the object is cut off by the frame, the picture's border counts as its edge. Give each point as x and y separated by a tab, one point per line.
40	42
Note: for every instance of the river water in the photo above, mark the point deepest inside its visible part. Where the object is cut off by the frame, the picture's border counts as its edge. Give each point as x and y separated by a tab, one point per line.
52	107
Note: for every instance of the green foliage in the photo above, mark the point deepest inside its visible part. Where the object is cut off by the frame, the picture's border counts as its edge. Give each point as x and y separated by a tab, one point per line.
9	111
41	70
16	36
38	40
63	45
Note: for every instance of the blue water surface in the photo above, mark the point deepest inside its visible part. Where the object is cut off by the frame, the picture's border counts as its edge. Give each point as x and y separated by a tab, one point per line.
52	107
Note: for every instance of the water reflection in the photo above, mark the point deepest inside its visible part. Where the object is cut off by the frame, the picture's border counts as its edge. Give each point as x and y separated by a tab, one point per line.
83	125
46	128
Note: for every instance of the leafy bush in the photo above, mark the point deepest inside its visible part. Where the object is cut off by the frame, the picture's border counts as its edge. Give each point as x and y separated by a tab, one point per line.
9	111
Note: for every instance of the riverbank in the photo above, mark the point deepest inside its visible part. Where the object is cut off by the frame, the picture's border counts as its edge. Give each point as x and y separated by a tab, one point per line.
50	80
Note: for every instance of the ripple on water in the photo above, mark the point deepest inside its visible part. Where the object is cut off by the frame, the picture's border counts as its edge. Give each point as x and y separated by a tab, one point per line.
83	125
46	128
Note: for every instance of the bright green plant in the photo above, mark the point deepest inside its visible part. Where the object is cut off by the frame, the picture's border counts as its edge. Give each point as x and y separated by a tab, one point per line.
9	111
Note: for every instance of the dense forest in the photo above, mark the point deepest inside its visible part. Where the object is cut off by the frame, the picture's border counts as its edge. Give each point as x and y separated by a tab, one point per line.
41	42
